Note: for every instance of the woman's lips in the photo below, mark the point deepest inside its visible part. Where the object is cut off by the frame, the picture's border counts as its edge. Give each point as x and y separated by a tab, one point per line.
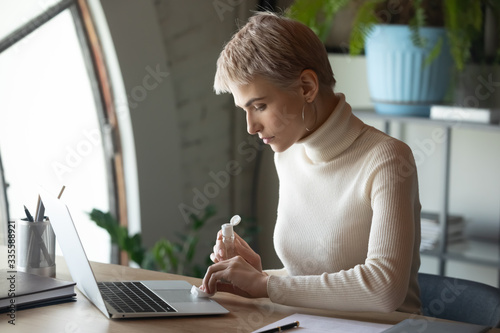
268	139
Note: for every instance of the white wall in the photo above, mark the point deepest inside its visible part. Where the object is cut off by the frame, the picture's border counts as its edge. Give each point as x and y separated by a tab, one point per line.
148	85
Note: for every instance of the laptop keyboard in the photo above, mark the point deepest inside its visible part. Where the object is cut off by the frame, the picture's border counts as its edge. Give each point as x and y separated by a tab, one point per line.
130	297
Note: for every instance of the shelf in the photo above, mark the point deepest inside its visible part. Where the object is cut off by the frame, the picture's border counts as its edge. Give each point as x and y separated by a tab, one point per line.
371	114
473	251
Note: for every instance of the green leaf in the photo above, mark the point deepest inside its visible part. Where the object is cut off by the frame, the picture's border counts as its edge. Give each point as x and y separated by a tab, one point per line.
316	14
195	219
198	224
363	25
418	21
434	53
107	222
463	22
164	256
210	211
148	262
193	241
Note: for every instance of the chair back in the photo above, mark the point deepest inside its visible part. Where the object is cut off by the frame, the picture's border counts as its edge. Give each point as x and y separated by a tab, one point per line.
459	300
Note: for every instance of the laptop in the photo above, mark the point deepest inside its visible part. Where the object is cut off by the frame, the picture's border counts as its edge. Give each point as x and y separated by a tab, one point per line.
123	299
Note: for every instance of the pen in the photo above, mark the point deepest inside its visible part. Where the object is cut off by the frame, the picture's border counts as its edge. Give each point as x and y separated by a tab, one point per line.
282	327
40	211
28	215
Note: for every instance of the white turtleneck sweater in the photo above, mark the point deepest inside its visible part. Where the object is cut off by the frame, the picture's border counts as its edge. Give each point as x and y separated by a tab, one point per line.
348	224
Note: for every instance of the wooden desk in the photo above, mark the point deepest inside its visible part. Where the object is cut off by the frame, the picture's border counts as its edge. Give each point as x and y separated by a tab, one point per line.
245	315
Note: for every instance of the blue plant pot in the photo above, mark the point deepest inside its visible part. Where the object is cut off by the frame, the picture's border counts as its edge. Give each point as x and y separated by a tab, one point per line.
399	81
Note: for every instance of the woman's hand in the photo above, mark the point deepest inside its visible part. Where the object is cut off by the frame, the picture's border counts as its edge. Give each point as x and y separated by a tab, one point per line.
241	248
239	277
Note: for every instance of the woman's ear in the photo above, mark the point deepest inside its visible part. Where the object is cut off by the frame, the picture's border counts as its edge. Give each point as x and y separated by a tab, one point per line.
309	84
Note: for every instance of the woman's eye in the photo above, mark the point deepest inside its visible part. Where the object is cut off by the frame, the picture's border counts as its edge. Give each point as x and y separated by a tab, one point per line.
260	107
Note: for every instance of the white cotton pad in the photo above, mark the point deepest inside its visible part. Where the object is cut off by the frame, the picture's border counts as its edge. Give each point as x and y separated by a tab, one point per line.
199	293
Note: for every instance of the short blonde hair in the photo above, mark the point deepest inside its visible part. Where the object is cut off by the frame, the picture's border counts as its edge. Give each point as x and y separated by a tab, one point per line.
277	49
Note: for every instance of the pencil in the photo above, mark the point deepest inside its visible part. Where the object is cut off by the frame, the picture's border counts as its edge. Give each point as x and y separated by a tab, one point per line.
60	193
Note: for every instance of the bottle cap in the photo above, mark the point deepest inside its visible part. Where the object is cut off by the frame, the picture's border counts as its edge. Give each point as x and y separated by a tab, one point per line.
235	220
227	230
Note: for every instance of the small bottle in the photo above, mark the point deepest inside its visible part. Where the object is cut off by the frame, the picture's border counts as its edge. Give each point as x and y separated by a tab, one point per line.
228	240
228	237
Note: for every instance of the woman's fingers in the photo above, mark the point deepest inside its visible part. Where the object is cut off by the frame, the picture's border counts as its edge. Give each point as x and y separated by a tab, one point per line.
242	241
213	258
244	278
213	275
241	248
244	250
218	249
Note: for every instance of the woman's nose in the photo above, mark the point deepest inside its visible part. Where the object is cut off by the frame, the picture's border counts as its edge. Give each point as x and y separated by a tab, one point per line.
253	126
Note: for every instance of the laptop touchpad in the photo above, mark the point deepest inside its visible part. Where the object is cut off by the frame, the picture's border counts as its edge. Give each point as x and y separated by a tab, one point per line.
179	296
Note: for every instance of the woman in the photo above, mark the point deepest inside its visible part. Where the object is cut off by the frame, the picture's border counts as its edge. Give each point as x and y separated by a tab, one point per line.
348	222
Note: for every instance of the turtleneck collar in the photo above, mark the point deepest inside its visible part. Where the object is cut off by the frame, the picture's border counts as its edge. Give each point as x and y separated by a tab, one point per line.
335	135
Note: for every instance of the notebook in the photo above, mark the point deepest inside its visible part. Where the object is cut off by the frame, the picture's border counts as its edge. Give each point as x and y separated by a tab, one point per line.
124	299
21	290
428	325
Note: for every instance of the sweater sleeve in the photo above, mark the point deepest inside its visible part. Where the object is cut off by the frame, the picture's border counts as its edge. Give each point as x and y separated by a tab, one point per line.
277	272
380	283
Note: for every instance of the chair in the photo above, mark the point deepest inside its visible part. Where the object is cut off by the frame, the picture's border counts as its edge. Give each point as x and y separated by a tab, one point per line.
459	300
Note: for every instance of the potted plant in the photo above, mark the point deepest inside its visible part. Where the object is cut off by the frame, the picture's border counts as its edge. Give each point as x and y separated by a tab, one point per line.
165	255
428	37
478	57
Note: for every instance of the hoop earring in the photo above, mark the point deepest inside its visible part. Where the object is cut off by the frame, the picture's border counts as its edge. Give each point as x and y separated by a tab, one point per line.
315	117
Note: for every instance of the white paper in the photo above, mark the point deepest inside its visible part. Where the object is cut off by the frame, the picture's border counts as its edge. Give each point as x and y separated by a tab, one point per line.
309	323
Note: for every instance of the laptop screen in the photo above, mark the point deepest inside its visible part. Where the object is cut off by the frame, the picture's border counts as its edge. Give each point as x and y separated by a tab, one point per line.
72	249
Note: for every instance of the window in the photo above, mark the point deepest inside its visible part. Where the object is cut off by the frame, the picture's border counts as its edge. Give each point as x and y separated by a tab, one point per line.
54	130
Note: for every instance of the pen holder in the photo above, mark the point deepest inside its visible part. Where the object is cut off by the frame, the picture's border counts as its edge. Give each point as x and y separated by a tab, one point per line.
36	243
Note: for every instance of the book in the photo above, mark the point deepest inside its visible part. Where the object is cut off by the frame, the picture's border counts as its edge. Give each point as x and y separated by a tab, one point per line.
431	230
19	290
429	325
466	114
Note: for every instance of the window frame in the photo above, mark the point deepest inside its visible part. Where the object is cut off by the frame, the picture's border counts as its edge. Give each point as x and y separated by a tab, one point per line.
103	98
